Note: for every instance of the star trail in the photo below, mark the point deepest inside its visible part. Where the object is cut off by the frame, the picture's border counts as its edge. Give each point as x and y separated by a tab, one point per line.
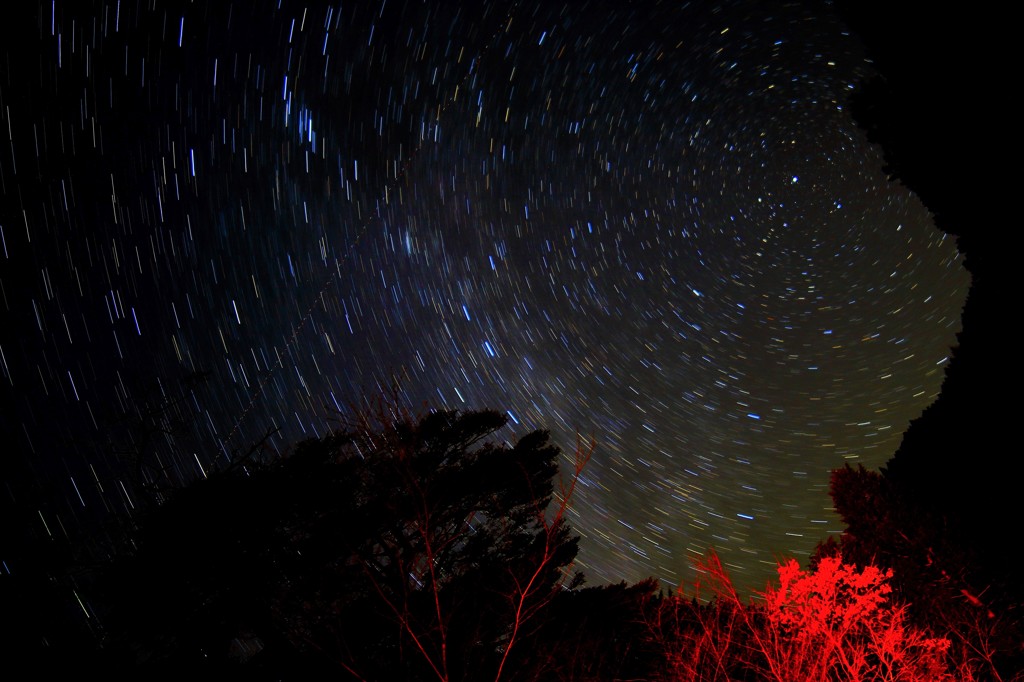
653	223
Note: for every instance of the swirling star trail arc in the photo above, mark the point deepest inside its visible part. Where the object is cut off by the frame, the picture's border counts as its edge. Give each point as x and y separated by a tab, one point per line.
654	223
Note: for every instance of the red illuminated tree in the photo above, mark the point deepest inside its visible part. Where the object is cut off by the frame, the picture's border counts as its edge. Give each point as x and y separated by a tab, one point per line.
835	623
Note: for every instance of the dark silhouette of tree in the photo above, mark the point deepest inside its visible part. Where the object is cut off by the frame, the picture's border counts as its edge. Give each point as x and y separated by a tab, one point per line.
394	548
944	584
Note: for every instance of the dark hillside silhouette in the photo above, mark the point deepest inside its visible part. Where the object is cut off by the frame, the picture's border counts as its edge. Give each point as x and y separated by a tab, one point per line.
948	501
937	115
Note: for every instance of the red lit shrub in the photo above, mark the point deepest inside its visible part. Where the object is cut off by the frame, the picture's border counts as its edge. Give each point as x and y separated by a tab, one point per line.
833	624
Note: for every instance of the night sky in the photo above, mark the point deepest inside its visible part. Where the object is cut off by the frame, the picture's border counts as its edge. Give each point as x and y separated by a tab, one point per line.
653	223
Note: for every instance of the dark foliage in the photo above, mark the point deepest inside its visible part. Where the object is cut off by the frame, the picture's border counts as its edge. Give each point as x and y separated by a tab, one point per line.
596	633
943	583
396	549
